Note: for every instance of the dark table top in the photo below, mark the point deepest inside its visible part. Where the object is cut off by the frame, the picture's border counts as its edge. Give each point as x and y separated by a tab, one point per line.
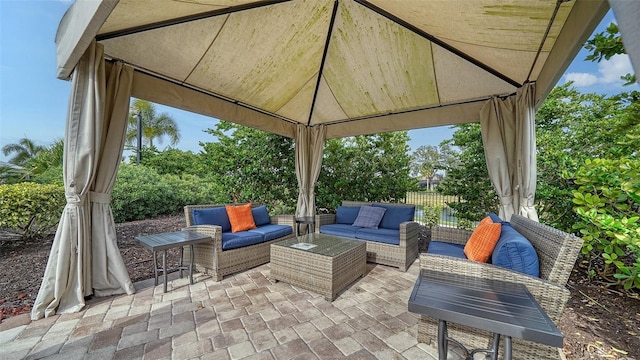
500	307
163	241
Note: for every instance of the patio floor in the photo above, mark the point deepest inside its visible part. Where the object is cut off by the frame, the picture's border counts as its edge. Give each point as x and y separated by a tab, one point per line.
245	316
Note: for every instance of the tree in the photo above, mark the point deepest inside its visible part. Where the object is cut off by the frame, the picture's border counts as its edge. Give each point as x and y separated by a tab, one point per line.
153	126
24	151
468	177
605	45
428	160
253	165
365	168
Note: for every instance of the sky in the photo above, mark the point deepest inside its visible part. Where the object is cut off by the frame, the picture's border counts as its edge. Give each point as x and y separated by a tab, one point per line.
33	102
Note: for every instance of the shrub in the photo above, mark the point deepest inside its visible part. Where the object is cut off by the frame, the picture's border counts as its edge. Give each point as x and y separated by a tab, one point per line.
29	209
430	215
608	203
140	193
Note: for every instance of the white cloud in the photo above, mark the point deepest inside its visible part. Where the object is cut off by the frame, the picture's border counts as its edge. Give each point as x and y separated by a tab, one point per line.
609	72
581	79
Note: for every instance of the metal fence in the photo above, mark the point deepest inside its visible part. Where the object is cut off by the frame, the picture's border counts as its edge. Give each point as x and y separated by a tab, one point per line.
431	199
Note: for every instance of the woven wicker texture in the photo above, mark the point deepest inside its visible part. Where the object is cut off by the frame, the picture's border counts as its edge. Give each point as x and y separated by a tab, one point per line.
211	259
557	253
324	274
400	256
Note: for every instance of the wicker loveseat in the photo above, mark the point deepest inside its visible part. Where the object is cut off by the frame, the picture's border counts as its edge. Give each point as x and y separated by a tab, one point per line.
557	252
399	249
214	259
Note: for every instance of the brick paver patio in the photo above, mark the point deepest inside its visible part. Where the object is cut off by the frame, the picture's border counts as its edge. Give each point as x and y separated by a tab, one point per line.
245	316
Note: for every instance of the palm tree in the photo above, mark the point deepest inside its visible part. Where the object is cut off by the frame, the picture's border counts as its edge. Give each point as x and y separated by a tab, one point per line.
24	150
153	126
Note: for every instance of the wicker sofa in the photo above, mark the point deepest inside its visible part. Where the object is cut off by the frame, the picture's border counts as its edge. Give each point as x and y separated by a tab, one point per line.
557	252
212	259
400	255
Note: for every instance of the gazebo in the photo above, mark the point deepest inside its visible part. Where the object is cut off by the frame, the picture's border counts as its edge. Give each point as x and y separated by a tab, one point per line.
305	69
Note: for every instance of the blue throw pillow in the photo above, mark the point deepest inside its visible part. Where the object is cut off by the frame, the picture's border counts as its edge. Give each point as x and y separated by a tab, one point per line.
395	215
496	219
261	215
347	214
369	217
212	216
514	251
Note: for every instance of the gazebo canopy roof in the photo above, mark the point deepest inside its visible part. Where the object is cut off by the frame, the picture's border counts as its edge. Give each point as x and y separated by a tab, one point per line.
356	66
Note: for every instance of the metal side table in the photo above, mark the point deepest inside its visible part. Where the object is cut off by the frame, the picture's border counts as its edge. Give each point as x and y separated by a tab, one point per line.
163	242
502	308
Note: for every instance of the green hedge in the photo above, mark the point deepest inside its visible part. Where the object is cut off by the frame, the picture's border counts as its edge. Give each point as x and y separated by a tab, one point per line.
29	209
141	193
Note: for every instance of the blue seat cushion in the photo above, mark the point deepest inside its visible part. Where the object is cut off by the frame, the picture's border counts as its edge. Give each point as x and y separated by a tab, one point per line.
339	230
240	239
347	214
212	216
272	231
387	236
395	215
445	248
514	251
260	215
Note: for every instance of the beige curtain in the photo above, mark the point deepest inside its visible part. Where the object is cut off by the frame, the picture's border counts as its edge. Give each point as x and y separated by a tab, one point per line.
526	150
309	147
497	121
93	122
508	136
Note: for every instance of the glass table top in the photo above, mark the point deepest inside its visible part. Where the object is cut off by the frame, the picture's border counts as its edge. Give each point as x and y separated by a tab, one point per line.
321	244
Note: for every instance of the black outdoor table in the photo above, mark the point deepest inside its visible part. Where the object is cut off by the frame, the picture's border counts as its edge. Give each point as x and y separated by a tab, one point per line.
165	241
502	308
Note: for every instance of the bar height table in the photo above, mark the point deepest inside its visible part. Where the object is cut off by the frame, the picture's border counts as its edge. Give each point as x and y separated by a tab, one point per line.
502	308
163	242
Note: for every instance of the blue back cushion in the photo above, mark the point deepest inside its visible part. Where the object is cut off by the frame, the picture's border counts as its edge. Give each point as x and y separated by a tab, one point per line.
496	219
212	216
395	215
347	214
514	251
261	215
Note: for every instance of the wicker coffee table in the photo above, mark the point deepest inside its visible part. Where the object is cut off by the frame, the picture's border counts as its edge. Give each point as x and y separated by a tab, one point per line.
322	263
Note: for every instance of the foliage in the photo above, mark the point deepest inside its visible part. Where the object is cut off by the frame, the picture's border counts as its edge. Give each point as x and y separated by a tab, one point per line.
154	126
468	178
169	161
52	175
429	160
608	203
466	224
572	127
251	165
430	215
605	45
29	209
24	151
365	168
49	157
140	193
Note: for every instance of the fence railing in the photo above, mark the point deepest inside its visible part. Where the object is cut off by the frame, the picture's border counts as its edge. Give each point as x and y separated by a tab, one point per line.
432	199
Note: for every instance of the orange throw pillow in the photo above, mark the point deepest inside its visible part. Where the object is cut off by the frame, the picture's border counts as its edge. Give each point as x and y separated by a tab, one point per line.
483	240
240	217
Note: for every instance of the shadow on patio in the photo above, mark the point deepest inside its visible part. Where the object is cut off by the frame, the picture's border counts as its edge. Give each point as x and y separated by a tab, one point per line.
245	316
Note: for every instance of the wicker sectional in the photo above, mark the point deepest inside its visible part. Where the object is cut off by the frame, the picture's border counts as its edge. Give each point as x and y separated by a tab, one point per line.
557	252
211	259
400	256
